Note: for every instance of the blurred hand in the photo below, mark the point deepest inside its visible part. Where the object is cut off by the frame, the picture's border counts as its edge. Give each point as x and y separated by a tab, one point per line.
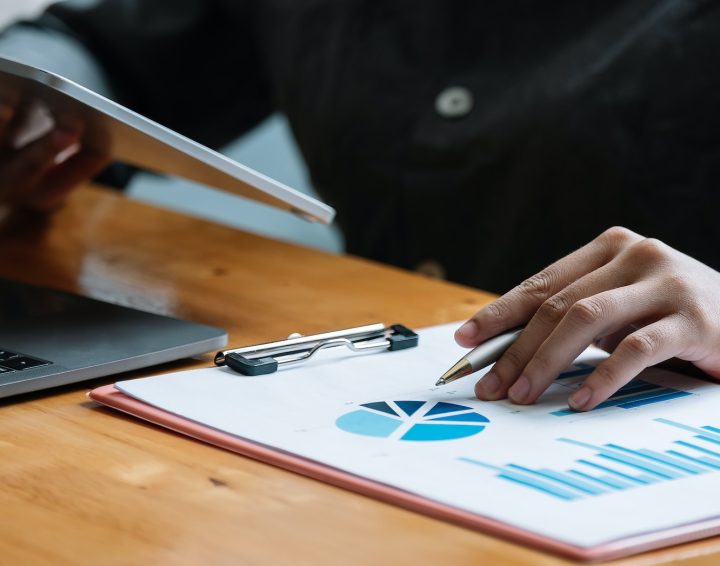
41	174
635	297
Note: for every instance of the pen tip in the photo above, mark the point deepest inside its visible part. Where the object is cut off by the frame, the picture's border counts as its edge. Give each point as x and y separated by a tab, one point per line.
460	369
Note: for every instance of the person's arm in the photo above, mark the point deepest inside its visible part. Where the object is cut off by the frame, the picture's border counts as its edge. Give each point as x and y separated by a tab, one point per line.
633	296
183	63
54	51
33	175
191	65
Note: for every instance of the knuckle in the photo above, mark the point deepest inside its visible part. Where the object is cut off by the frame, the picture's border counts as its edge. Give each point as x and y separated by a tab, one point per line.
641	344
554	309
699	313
588	311
649	251
685	298
679	284
513	360
493	315
696	314
541	365
539	286
617	237
604	376
496	310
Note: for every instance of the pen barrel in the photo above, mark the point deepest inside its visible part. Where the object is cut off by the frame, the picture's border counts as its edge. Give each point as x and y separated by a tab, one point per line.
490	351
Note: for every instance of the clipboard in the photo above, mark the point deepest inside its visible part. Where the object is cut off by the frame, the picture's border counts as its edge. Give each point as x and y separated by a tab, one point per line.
641	542
109	396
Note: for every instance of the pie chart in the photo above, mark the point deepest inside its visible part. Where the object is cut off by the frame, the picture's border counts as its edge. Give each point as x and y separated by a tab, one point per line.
413	420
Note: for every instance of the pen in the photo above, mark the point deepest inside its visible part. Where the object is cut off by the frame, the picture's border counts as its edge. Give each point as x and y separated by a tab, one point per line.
480	356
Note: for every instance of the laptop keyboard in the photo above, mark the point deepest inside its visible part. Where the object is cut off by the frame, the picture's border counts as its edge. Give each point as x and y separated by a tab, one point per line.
13	361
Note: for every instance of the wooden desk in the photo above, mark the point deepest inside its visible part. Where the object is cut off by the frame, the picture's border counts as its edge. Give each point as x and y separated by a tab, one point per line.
84	485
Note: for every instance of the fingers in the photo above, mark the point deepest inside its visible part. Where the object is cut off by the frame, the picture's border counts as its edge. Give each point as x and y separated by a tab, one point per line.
22	171
602	303
518	305
7	113
9	102
531	364
647	346
636	297
597	315
60	181
611	341
545	320
40	171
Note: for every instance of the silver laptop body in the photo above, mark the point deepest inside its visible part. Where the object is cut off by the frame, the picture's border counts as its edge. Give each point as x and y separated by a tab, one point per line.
50	338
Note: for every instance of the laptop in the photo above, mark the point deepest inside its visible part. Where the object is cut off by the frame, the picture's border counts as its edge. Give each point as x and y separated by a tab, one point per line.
50	338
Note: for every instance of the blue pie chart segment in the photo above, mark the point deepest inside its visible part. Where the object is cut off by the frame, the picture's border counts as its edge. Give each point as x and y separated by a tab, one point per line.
371	424
413	420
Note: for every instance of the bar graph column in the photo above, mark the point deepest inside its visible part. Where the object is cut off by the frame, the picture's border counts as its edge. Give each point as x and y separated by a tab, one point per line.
613	467
635	394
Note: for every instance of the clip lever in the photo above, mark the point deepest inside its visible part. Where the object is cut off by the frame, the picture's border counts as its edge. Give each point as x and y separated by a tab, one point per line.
263	359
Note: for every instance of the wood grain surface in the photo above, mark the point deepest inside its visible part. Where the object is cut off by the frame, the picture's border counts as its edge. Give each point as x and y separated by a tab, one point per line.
85	485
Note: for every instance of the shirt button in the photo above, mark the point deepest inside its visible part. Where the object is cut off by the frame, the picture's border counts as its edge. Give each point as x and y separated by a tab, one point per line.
431	268
454	102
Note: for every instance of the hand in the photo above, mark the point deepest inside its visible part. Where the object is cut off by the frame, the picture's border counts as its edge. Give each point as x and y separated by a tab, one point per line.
41	174
635	297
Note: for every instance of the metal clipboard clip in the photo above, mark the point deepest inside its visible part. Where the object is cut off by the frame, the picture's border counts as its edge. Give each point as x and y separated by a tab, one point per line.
262	359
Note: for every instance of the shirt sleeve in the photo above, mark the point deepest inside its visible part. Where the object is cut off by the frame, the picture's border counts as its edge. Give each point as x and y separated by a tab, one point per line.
56	52
187	64
61	53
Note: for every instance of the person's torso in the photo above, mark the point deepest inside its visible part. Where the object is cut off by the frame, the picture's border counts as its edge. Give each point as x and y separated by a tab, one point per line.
493	137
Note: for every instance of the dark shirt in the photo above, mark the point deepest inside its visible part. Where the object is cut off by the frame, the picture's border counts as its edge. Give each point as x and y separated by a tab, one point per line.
573	115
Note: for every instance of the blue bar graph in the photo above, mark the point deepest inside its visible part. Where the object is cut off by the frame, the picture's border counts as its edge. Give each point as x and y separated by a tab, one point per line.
604	480
704	460
580	369
635	394
674	462
700	448
643	480
706	433
511	475
614	467
540	486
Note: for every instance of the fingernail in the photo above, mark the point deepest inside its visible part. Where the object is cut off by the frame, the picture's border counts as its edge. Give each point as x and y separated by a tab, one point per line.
580	398
467	331
519	392
490	384
66	153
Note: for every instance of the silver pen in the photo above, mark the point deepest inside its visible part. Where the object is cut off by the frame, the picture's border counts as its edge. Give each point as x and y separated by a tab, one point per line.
481	356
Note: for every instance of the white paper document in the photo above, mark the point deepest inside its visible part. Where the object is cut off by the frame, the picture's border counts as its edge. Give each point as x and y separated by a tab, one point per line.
646	460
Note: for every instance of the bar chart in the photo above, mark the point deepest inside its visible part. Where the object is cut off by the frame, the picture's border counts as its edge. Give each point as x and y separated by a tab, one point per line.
613	467
637	393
